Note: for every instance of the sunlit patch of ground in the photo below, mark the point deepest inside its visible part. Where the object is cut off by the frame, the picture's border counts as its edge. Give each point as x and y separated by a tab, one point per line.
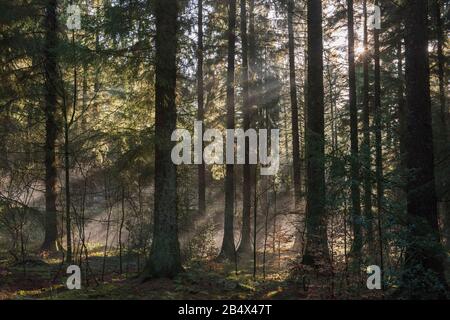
45	279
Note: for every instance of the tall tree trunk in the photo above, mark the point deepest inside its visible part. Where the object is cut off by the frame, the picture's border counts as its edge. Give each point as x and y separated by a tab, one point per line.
355	193
401	103
245	247
51	127
67	124
423	258
365	148
441	62
401	116
316	221
442	129
378	147
228	246
165	258
252	61
200	111
294	106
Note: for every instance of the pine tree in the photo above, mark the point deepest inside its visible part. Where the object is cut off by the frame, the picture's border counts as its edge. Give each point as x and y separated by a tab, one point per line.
228	246
424	272
316	221
51	126
164	260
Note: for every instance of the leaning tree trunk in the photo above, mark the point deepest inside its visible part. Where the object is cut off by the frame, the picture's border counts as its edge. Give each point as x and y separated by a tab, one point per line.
424	272
228	247
51	127
355	193
164	260
316	222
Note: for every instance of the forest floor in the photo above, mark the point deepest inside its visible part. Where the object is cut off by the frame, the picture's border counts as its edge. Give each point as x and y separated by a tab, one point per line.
45	279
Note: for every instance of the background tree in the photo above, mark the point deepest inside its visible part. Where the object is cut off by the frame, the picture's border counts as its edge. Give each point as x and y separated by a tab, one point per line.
354	160
294	104
378	141
365	146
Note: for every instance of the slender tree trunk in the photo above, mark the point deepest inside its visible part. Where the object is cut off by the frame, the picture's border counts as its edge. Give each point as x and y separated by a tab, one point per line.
266	228
442	128
401	104
245	247
441	63
85	101
121	224
51	127
255	215
109	203
67	124
316	243
423	257
294	106
252	72
165	258
228	246
253	108
200	111
378	147
355	193
365	148
401	116
97	83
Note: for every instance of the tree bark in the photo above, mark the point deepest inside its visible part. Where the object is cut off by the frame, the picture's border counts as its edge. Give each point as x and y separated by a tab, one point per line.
442	128
245	246
441	63
164	260
401	104
424	272
200	111
354	161
67	125
378	146
316	221
51	127
228	246
365	148
294	106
